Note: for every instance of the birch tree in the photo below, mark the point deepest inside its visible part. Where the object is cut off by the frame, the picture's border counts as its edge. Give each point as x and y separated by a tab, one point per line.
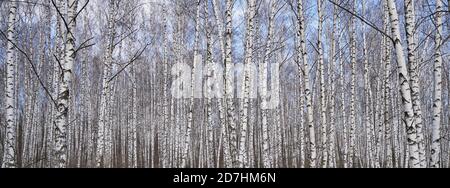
162	131
62	115
263	84
371	153
9	154
405	89
309	109
251	12
209	95
191	104
343	109
352	35
437	105
323	104
415	87
229	91
334	106
223	140
387	82
332	90
102	128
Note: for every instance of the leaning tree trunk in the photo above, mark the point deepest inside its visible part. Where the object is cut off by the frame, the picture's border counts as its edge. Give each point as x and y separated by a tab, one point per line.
405	89
9	154
437	106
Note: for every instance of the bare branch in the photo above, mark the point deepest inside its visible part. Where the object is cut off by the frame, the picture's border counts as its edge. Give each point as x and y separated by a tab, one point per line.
33	67
363	20
135	57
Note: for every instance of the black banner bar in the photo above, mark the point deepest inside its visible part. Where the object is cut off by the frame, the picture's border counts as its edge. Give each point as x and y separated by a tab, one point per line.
130	178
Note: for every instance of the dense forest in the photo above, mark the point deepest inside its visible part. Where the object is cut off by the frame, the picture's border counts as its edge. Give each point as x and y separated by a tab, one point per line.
224	84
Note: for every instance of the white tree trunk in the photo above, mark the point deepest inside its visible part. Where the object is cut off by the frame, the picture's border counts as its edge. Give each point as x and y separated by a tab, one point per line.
62	115
413	70
308	97
84	98
332	92
263	84
251	13
437	106
302	114
9	154
191	103
109	121
387	88
102	127
323	108
162	137
59	50
223	141
352	28
405	90
134	123
229	89
302	101
209	105
371	153
343	108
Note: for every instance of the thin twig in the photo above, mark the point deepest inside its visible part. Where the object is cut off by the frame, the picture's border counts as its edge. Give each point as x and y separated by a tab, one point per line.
83	45
123	38
136	56
82	8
